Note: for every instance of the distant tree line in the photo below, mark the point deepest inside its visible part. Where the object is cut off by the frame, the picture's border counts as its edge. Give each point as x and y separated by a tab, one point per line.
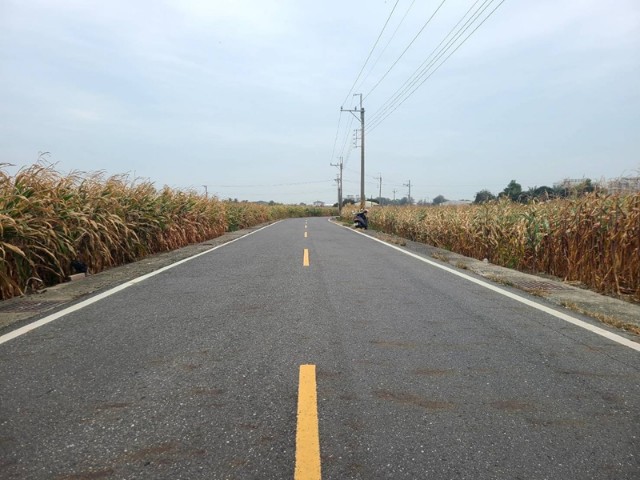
514	192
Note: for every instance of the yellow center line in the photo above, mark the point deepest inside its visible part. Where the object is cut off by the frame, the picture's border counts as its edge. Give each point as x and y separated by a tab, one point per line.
305	258
305	234
307	434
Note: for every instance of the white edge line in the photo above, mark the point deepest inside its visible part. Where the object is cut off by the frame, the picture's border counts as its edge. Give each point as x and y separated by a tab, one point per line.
80	305
563	316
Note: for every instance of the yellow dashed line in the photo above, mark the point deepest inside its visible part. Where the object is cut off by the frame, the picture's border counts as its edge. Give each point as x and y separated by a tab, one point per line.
305	258
307	434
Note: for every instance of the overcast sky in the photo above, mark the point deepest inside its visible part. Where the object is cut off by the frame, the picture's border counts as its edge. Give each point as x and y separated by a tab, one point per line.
244	96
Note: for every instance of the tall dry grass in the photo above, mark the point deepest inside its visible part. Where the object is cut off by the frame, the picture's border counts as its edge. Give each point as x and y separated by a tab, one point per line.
593	239
48	220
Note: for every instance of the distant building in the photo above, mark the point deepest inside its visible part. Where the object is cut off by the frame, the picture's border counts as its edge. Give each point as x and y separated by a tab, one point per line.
613	186
318	204
624	185
570	183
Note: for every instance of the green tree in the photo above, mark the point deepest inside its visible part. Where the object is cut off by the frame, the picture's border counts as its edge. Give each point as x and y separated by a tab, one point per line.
484	196
538	193
543	192
439	199
512	191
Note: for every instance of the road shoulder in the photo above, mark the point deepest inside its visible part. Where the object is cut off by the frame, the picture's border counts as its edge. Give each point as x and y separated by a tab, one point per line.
569	295
16	312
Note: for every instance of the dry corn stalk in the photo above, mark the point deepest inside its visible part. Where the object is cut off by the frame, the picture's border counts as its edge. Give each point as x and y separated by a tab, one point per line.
47	220
593	239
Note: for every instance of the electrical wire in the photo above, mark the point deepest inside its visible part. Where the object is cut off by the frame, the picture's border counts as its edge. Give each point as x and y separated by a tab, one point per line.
346	137
441	63
416	74
422	73
356	80
270	185
436	68
335	140
371	52
405	50
388	42
345	156
422	70
348	154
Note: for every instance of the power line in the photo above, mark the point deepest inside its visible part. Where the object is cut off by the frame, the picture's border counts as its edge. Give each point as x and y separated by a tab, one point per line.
346	160
416	74
441	63
405	50
354	83
369	56
427	64
388	42
346	139
271	185
335	140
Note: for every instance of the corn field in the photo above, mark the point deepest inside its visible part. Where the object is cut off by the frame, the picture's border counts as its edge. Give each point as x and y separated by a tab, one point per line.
593	239
49	220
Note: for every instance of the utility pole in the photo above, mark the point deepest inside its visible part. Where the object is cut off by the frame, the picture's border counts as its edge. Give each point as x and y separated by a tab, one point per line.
339	180
394	195
408	185
206	192
363	199
380	189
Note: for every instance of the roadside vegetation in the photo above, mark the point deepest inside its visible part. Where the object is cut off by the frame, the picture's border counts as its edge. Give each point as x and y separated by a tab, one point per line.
593	239
54	225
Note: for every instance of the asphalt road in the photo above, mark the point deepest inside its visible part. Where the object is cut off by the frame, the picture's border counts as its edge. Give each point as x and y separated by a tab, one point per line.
193	373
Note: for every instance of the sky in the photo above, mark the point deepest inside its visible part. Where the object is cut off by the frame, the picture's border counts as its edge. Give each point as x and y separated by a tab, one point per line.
244	96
